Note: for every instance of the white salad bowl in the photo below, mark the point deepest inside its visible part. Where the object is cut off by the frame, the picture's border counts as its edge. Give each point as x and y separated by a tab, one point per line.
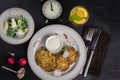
13	12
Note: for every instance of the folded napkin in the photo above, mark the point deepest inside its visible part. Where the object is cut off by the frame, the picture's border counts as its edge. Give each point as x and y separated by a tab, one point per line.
100	52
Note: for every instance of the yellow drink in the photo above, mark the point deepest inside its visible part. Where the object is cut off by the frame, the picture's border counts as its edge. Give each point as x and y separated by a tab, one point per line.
78	15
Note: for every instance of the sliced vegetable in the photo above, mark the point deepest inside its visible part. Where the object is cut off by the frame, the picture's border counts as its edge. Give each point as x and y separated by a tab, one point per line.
5	25
13	23
22	23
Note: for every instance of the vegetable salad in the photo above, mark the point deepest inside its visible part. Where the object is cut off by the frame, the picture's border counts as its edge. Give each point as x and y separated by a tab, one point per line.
16	27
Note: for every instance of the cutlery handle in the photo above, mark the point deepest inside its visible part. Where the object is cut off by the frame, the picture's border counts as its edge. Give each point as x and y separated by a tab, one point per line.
88	64
9	69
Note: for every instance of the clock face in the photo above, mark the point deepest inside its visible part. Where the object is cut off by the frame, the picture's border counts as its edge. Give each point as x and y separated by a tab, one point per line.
52	9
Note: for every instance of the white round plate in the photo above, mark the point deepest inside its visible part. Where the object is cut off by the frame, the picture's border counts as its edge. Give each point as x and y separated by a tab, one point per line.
70	37
12	12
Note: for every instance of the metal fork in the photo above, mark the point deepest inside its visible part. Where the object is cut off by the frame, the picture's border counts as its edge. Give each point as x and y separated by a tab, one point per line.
88	39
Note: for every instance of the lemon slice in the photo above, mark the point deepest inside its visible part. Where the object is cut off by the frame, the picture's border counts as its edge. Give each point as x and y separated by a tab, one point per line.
79	15
5	25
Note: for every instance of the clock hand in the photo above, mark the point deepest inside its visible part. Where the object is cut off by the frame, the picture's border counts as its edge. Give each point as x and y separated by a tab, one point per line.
51	6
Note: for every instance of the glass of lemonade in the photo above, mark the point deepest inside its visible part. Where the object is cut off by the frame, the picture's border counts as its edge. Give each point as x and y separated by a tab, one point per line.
79	15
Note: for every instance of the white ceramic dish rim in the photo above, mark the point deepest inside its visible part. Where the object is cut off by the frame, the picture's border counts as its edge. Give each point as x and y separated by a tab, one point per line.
74	72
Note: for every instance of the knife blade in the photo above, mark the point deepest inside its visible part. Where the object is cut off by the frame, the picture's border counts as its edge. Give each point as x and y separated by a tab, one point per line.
92	49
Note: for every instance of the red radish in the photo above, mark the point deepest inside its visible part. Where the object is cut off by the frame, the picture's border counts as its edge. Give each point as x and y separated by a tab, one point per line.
23	61
11	60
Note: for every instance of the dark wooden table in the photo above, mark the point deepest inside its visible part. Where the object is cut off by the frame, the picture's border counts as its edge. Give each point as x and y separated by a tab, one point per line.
103	13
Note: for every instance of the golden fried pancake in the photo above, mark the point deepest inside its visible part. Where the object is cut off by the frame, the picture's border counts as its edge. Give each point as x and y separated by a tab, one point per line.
44	59
62	63
72	55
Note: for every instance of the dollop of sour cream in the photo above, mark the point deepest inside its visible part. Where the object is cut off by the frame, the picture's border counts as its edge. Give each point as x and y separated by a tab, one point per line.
65	54
20	33
57	73
53	44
